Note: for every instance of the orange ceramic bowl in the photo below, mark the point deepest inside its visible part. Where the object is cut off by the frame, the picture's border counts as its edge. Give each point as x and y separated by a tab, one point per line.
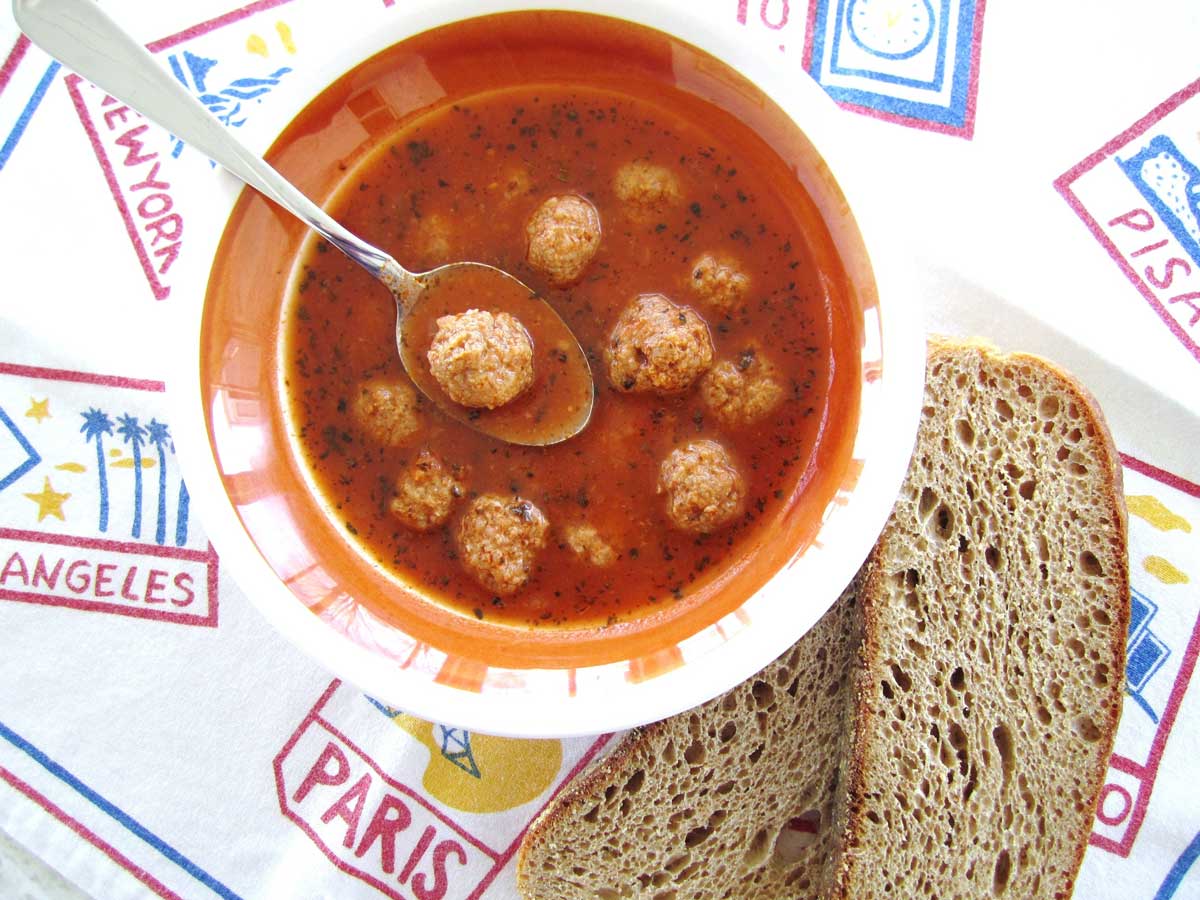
268	523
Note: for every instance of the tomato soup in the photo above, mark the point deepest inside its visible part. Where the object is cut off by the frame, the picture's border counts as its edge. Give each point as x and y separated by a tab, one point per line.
699	208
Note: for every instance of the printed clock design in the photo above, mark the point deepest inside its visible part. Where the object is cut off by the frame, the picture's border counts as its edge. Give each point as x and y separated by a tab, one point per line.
892	29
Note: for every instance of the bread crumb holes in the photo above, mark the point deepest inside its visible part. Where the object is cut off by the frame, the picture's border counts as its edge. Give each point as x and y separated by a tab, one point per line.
799	833
958	680
941	523
1001	873
1086	729
965	433
1090	565
758	849
926	503
763	693
677	862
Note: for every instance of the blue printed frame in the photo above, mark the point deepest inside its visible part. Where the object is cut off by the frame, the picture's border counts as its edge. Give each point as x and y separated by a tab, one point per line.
957	118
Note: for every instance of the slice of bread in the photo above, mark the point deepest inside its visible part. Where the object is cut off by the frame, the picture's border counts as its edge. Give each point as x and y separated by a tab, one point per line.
942	732
732	799
995	609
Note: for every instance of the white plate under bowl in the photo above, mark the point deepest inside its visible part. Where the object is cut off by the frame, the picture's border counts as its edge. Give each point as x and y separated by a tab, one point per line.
397	670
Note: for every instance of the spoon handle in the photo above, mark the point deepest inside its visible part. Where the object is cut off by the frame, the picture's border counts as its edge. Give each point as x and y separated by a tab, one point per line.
82	36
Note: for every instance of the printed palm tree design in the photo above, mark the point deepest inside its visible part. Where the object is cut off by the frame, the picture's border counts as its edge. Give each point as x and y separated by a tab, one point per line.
158	435
96	424
133	433
181	515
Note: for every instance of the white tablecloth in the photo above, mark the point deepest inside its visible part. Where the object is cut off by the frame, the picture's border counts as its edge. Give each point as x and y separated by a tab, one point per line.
156	738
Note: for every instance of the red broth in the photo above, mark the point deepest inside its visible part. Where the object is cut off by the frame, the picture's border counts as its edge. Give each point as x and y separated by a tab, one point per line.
539	104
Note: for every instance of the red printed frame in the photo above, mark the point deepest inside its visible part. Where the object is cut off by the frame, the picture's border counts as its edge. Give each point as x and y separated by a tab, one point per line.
501	857
1147	772
207	557
1063	185
160	290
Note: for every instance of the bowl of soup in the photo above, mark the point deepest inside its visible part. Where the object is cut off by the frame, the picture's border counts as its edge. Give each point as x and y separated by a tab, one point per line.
691	214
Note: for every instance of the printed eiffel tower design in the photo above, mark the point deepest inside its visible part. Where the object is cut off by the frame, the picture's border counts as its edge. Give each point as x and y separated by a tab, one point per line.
455	743
456	747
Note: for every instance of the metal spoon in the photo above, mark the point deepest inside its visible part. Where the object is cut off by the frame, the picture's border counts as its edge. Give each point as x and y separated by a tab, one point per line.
558	404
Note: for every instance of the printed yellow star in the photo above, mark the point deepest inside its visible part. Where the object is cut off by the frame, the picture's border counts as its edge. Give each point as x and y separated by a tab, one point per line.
38	409
49	501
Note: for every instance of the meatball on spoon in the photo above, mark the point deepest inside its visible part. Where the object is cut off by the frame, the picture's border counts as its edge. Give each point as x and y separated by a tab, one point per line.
555	401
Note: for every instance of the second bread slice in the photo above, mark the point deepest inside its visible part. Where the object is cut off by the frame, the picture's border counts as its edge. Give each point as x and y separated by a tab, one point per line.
730	800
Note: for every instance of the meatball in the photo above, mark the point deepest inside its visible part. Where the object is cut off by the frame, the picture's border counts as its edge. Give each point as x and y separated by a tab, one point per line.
586	543
719	282
480	359
430	241
387	411
742	390
513	184
645	187
657	346
499	538
564	234
704	490
425	493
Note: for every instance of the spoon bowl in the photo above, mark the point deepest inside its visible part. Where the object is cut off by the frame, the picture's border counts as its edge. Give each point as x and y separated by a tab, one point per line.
557	406
559	402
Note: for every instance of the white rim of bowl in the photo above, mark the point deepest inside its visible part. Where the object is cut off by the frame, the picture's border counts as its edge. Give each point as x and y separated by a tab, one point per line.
852	531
